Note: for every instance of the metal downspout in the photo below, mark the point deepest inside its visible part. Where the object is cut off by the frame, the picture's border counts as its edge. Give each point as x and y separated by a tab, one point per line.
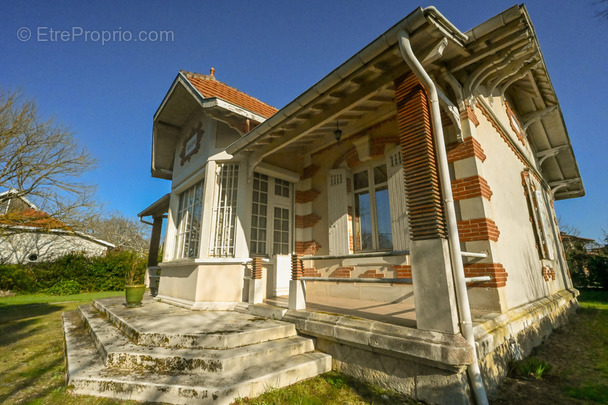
462	297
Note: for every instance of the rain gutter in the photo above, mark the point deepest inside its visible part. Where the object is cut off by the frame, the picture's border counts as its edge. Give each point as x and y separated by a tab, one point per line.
466	324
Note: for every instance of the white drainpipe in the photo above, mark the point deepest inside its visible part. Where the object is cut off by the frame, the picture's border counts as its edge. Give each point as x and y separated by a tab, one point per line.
466	324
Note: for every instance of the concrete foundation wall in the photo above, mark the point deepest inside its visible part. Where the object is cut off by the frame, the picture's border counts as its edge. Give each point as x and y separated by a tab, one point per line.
431	366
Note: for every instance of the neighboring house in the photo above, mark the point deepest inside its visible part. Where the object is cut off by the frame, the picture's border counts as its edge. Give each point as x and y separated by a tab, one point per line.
28	234
371	174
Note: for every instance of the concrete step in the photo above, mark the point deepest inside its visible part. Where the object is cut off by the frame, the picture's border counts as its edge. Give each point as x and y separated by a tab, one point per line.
148	326
88	375
265	310
117	351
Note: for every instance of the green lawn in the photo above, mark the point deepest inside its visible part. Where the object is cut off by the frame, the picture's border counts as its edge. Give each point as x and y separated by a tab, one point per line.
578	356
32	367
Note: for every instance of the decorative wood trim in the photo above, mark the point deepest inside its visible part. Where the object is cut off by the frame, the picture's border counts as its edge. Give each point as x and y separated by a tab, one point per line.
191	144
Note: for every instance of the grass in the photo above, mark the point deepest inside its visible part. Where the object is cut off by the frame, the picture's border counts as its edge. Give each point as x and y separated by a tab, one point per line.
47	299
577	360
330	388
32	369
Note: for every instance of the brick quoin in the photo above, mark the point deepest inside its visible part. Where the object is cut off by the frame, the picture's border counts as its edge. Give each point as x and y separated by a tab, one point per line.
307	248
309	171
468	148
403	271
307	221
378	145
469	114
469	187
495	270
342	272
478	229
311	272
305	196
371	274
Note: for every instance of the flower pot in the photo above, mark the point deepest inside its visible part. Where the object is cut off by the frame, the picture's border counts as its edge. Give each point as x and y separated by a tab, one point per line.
134	294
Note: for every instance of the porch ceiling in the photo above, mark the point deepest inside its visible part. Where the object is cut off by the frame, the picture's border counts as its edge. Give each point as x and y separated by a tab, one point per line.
500	56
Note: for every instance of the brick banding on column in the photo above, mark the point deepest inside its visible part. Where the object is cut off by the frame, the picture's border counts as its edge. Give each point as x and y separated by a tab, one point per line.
425	205
478	229
495	270
342	272
304	196
307	221
256	268
469	187
297	267
468	148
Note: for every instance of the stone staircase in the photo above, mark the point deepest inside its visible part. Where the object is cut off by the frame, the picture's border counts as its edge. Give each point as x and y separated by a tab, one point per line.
161	353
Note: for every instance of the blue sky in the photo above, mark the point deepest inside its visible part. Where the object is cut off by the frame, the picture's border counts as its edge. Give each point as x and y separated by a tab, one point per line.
273	50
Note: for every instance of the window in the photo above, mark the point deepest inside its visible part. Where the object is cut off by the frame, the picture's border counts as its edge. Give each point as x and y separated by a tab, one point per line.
539	216
367	209
372	215
189	222
259	214
281	231
270	216
224	210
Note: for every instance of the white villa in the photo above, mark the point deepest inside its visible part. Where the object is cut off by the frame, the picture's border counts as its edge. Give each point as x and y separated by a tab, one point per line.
422	171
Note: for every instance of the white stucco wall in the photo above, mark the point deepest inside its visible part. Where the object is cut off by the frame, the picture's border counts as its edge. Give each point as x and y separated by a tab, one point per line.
516	247
23	246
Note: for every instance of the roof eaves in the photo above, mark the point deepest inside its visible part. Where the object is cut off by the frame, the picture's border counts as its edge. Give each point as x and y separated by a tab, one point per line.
410	23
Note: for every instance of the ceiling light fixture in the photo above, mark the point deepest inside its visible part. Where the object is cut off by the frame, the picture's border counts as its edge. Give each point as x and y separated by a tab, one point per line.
338	132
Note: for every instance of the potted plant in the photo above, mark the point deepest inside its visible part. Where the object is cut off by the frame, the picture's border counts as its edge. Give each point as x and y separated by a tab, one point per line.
134	287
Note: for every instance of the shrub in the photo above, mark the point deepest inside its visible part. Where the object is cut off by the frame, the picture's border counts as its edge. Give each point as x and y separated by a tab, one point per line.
103	273
65	287
16	277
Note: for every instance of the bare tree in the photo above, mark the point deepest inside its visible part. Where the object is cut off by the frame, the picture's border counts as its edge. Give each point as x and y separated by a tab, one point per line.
41	160
125	233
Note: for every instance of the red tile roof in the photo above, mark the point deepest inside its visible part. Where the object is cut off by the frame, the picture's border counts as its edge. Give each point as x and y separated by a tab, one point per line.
208	86
32	218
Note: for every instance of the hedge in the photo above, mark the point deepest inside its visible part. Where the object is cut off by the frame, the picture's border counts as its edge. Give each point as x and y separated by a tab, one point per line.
74	272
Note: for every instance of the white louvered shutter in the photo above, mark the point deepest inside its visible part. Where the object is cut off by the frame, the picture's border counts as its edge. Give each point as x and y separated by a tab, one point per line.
337	202
544	217
397	200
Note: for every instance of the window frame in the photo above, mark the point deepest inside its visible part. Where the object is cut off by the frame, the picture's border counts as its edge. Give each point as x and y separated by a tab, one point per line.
185	226
373	187
275	199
